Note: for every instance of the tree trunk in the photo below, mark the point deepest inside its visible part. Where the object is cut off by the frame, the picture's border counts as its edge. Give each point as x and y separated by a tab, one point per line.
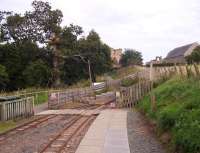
56	69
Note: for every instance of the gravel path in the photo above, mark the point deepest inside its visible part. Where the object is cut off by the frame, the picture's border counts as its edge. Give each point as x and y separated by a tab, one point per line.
141	139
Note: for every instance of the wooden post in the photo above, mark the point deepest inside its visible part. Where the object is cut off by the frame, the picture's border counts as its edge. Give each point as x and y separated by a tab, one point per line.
3	110
153	102
151	75
36	98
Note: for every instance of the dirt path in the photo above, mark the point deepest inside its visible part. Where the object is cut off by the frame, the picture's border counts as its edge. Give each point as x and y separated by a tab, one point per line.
141	139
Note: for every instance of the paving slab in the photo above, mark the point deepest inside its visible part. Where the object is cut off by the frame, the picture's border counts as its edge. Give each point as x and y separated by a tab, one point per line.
70	112
107	134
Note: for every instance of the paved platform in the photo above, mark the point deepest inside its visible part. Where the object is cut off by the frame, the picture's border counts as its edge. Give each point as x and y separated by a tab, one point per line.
70	112
40	108
107	134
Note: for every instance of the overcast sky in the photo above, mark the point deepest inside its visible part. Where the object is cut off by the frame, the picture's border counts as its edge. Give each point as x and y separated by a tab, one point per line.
151	26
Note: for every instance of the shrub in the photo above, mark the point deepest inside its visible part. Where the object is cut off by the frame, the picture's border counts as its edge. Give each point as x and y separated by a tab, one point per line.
168	116
186	132
129	82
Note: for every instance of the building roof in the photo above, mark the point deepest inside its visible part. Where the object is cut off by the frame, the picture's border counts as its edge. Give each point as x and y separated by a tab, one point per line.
177	52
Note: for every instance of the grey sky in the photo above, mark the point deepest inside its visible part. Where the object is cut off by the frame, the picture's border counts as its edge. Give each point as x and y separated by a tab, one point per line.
151	26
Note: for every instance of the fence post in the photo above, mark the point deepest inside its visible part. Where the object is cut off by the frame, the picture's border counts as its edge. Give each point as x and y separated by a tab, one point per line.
3	112
36	98
153	102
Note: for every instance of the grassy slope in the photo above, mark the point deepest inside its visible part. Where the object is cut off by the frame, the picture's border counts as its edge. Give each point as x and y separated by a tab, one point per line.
4	126
122	72
178	111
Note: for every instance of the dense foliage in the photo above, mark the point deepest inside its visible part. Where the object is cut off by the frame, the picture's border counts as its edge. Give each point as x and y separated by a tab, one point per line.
194	57
37	51
131	57
177	111
129	82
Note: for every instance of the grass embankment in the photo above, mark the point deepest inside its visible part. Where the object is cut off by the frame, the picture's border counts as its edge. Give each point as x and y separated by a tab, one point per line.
4	126
129	82
122	72
177	112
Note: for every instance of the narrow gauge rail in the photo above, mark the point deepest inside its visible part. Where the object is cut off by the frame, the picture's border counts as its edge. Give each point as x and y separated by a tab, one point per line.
59	142
25	127
87	107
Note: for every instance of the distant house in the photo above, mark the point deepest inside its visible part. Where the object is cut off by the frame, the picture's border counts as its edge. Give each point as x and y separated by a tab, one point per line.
116	55
178	55
156	61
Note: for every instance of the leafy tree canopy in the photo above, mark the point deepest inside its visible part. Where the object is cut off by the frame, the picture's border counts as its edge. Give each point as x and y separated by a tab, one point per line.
37	25
131	57
194	57
3	77
28	64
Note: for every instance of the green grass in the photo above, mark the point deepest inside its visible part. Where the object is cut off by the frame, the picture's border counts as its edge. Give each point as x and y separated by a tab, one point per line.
177	111
41	98
129	82
122	72
4	126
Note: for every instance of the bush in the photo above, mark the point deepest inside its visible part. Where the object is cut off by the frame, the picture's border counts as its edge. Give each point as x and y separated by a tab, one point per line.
168	115
37	74
186	132
129	82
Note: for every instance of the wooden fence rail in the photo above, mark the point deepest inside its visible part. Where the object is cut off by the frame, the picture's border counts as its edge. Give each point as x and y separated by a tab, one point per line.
16	108
129	96
57	99
181	70
144	75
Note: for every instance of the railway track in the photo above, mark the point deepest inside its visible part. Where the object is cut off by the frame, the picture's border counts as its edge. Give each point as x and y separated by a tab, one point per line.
87	107
66	139
60	143
25	127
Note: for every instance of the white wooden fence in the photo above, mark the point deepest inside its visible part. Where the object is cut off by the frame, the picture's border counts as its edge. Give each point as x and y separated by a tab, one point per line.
98	86
16	108
57	99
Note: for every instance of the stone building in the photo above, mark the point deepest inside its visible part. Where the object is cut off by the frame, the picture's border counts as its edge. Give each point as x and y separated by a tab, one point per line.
157	60
178	55
116	55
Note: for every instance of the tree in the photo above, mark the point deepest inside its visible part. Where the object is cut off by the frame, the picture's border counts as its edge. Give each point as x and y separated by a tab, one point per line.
40	25
37	25
194	57
20	53
15	57
131	57
98	53
3	77
43	25
37	74
3	15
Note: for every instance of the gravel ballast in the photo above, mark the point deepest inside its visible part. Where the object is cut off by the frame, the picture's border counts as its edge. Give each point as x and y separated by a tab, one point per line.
141	139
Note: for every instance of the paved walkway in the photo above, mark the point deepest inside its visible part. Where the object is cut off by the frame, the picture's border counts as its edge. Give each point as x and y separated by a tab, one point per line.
70	112
41	108
107	134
